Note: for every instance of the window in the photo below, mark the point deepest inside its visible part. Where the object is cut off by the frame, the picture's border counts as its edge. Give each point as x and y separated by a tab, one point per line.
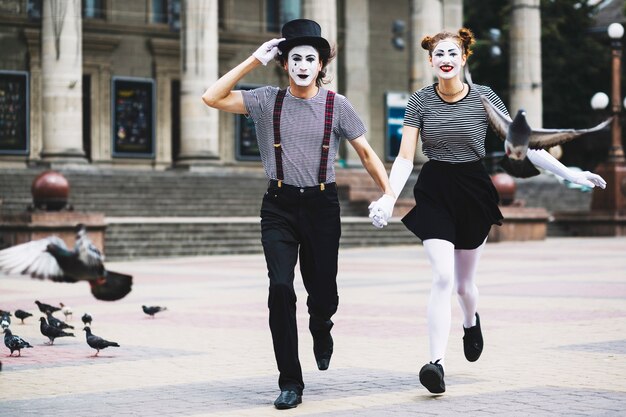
93	9
281	11
246	145
166	11
14	111
133	110
33	9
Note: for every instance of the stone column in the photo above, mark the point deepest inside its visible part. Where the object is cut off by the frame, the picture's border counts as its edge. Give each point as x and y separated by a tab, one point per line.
324	12
426	19
61	63
166	53
357	76
199	68
452	15
525	68
97	51
33	41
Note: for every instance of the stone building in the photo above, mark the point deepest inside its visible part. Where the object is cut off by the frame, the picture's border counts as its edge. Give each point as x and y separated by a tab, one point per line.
117	83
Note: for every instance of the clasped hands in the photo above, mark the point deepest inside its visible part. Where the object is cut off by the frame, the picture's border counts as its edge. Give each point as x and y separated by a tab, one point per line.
381	210
267	51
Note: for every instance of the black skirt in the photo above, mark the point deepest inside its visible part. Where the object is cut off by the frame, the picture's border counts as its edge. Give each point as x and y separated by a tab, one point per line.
454	202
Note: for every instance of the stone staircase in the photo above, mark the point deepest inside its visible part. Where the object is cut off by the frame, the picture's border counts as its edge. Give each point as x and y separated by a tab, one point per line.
182	213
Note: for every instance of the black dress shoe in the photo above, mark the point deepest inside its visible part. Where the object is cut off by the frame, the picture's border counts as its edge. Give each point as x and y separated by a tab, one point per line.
431	376
473	341
287	399
322	349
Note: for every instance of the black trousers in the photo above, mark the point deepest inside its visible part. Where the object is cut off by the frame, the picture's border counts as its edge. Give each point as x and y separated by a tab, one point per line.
305	222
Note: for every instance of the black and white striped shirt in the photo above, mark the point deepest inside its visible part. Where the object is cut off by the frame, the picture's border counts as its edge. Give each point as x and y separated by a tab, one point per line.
301	131
451	132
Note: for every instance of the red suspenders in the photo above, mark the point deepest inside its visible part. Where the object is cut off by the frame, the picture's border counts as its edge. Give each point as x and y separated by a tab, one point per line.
328	127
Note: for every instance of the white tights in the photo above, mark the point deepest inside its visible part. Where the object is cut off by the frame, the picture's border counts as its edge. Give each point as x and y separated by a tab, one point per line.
446	263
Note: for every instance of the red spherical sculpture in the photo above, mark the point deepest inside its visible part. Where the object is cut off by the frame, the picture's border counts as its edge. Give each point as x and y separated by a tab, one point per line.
50	191
506	187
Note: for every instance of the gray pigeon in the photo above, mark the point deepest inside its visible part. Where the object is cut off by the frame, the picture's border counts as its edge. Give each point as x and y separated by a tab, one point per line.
21	314
59	324
5	320
152	310
96	342
51	332
86	319
45	308
518	137
14	342
49	258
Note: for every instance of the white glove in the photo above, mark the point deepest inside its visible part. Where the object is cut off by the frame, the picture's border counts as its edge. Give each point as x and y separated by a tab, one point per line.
381	210
267	51
588	179
543	159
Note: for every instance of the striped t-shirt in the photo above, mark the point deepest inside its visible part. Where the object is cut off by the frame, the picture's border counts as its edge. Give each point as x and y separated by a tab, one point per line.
451	132
301	131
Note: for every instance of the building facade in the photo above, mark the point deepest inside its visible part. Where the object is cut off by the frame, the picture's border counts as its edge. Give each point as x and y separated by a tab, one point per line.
117	83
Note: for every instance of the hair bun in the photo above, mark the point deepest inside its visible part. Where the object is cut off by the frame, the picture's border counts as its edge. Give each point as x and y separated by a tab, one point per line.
426	42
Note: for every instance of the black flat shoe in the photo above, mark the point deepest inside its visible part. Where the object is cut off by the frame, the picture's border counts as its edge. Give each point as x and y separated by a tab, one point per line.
431	376
323	350
287	399
473	341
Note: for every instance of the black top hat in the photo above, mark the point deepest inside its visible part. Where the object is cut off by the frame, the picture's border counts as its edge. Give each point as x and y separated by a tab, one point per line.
303	32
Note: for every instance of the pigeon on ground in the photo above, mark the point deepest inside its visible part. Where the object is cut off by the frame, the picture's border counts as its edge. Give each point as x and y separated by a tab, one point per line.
14	342
21	314
51	332
5	320
44	308
49	258
86	318
152	310
518	137
66	310
59	324
96	342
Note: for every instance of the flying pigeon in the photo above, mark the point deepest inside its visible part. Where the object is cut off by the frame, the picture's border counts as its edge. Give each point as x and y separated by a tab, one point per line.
96	342
51	332
152	310
14	342
86	318
66	310
518	137
21	314
44	308
49	258
59	324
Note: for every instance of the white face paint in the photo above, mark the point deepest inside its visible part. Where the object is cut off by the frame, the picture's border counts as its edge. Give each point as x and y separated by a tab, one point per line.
447	59
304	65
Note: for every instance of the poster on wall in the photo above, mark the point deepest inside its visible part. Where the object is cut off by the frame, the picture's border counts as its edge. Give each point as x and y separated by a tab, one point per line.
14	108
395	105
133	118
246	145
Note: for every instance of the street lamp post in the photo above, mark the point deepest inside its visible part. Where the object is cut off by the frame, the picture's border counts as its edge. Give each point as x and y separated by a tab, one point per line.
612	200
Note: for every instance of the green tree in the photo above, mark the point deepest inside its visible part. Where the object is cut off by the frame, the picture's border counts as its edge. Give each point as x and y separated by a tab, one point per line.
575	65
